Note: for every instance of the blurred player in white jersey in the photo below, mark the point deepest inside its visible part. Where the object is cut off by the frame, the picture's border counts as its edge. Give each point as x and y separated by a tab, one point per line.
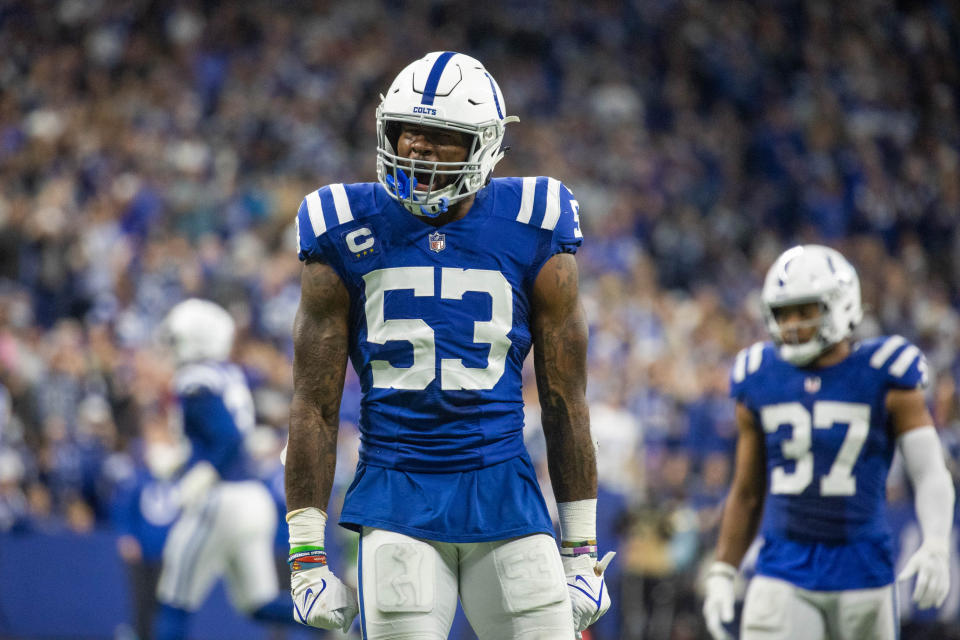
435	282
228	519
819	419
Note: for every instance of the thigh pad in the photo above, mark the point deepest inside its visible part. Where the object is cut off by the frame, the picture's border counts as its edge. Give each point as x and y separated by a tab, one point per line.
530	573
765	607
406	575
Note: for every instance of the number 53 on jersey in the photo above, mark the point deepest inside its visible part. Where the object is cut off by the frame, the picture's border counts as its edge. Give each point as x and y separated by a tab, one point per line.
454	283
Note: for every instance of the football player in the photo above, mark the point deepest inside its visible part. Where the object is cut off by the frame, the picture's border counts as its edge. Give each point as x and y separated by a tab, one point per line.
819	418
435	282
228	519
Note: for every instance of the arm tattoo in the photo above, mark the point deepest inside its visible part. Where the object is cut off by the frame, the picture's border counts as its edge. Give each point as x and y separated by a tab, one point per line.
321	338
560	361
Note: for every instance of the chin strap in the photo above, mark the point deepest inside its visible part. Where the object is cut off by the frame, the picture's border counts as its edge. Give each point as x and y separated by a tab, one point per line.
441	207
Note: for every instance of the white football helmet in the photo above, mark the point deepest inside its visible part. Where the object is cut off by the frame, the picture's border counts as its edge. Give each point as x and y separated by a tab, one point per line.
812	273
198	330
451	91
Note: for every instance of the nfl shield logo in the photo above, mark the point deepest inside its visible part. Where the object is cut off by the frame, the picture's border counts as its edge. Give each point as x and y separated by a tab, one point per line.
811	384
438	242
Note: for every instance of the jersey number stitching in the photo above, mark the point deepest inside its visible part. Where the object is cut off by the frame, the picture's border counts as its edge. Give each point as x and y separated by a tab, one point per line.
453	284
839	481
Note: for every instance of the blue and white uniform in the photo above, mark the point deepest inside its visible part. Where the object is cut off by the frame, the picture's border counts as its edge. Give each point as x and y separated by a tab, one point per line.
218	413
829	446
445	493
230	531
440	323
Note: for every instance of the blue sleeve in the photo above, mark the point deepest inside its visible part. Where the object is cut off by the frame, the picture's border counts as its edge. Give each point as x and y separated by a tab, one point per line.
902	363
737	379
316	234
308	247
567	236
909	369
211	429
747	363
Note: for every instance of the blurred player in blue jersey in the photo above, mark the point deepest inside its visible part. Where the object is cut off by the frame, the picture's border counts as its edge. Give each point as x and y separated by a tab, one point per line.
819	419
228	519
435	282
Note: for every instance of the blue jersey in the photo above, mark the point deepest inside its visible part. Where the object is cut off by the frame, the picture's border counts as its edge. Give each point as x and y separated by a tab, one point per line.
218	413
829	445
440	327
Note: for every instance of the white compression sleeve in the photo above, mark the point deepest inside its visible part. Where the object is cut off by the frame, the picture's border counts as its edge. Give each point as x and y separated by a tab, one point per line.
932	485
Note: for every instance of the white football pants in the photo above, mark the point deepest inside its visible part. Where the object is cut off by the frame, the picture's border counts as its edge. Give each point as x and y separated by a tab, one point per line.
509	589
231	535
778	610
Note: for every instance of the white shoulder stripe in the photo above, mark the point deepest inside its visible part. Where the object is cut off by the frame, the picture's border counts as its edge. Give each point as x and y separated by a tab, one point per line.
526	200
740	367
552	214
755	357
341	203
196	377
886	350
904	360
315	211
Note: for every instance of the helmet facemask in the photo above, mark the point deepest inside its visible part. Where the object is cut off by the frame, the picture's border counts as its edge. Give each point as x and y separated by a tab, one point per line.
445	182
791	348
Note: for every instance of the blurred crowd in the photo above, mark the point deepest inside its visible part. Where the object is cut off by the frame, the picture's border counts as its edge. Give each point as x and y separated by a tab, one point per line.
151	151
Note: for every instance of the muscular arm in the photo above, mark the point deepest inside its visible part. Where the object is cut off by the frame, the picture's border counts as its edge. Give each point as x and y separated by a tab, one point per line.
744	506
320	339
560	362
908	410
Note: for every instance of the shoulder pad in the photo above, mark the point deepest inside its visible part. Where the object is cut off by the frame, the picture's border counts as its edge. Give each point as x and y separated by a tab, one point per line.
747	362
325	209
902	361
199	378
549	204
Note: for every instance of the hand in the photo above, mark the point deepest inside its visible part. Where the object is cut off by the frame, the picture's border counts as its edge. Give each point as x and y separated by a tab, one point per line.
589	596
718	604
931	564
321	600
196	483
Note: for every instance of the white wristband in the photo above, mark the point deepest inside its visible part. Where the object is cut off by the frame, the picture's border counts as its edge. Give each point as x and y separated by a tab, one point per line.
720	568
578	520
306	526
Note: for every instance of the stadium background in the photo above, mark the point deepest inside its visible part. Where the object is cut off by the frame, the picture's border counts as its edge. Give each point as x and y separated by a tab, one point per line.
151	151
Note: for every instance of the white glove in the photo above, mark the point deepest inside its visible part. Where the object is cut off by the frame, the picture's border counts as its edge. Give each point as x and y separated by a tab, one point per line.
196	483
718	604
321	600
589	596
931	564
